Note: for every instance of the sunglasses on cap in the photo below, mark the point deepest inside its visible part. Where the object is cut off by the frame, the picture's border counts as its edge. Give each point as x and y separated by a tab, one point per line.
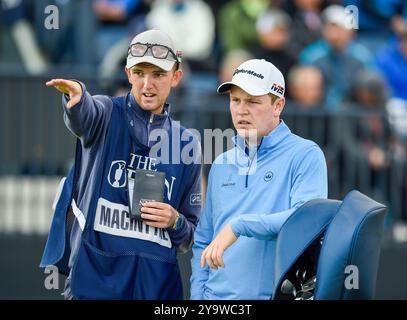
157	50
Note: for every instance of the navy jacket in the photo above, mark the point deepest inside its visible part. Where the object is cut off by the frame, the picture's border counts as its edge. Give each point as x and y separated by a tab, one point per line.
110	256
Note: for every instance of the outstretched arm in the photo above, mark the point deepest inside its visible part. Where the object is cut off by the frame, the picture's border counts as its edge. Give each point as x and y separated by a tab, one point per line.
85	116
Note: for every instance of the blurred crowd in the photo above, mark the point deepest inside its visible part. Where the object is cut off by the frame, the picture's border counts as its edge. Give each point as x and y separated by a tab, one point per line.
342	58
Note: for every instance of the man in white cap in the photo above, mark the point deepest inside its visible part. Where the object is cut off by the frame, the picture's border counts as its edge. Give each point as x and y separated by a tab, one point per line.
337	56
252	190
112	254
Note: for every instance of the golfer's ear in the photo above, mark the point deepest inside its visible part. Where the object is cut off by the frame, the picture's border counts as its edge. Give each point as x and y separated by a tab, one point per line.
280	103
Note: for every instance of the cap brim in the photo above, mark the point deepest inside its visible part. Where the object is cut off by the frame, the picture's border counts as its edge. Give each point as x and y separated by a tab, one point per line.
250	89
164	64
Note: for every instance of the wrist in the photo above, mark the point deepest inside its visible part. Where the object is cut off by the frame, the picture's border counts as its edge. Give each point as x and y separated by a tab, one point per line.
176	221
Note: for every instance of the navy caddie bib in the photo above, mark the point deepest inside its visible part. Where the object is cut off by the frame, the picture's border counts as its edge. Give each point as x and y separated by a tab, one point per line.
119	257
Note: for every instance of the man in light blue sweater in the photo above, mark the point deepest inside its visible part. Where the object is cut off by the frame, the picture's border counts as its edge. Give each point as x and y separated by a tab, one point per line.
252	190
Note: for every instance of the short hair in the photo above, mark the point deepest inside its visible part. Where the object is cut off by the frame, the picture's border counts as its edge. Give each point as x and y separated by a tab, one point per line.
273	97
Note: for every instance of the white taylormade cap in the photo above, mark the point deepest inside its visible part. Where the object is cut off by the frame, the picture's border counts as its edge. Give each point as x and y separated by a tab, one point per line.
153	37
257	77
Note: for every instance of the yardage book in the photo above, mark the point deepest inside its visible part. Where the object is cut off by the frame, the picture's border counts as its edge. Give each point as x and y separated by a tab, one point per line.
146	186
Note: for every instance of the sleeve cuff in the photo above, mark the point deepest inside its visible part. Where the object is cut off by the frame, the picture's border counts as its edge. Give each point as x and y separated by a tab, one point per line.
236	225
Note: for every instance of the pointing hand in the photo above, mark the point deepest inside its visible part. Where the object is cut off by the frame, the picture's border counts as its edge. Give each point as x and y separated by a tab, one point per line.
72	88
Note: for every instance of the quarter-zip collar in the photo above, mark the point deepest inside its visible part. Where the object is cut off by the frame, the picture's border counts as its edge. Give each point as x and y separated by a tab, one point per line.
142	122
247	156
147	116
269	141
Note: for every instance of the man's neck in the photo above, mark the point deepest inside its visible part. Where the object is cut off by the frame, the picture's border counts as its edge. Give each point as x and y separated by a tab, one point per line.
158	111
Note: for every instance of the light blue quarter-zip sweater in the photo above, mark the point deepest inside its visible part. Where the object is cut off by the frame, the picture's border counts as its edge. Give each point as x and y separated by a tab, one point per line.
255	191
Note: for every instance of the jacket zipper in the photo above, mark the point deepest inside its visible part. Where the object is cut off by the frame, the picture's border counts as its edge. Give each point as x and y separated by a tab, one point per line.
247	178
251	162
150	121
247	172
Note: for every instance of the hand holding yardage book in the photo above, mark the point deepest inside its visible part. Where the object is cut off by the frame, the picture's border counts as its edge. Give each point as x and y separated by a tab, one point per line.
146	186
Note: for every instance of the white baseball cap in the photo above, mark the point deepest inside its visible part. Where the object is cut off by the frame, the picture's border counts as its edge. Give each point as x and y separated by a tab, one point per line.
153	37
336	14
272	19
257	77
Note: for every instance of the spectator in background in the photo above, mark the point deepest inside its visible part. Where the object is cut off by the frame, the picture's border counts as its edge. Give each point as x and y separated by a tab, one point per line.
378	20
13	16
365	132
397	112
273	33
369	90
237	23
231	61
69	42
191	24
306	88
337	56
306	22
118	27
114	18
114	10
392	62
304	110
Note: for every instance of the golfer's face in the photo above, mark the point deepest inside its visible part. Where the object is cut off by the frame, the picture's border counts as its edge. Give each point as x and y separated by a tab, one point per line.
252	115
151	85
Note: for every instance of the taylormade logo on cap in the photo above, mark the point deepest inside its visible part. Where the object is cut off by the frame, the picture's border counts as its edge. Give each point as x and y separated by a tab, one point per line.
257	77
237	71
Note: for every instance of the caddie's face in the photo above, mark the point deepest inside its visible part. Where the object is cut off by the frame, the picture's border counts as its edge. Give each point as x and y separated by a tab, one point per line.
152	85
254	116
